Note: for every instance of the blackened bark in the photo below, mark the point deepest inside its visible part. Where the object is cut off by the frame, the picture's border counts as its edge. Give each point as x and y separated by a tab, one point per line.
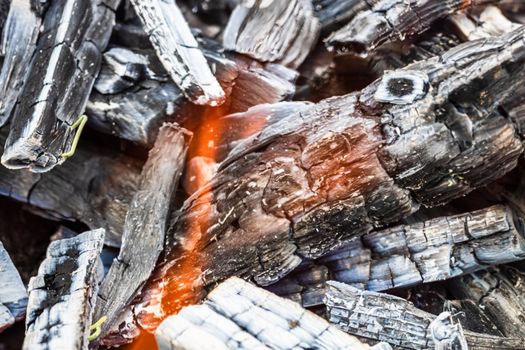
13	294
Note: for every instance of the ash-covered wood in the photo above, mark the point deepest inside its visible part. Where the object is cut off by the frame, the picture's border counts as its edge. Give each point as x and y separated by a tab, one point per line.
145	226
389	21
13	294
95	187
19	38
334	13
60	76
406	255
238	315
178	50
133	97
62	295
383	317
273	30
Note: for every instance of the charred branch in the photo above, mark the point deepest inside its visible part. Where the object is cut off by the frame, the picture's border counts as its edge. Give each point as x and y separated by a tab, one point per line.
13	295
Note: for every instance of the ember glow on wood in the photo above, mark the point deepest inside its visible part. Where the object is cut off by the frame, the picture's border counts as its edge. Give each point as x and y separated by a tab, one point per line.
13	295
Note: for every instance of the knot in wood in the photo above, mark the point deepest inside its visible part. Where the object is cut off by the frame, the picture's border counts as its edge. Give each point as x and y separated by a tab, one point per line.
402	87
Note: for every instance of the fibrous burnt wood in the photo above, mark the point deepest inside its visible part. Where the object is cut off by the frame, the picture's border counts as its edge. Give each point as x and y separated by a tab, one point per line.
499	293
334	13
406	255
145	226
389	21
238	315
272	30
59	79
388	318
13	295
178	50
95	187
62	295
18	46
307	183
133	97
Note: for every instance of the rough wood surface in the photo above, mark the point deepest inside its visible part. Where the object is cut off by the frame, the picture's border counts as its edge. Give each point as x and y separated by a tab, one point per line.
334	13
487	23
19	38
59	79
145	226
178	50
389	21
13	295
388	318
238	315
62	295
273	30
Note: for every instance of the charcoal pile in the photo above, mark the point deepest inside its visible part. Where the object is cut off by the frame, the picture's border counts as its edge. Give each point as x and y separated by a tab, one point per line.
262	174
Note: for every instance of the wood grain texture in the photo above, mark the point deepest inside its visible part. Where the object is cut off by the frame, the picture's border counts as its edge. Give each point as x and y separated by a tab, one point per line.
62	295
60	77
13	294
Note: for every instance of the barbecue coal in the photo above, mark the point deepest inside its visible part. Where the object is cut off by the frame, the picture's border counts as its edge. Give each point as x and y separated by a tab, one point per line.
361	158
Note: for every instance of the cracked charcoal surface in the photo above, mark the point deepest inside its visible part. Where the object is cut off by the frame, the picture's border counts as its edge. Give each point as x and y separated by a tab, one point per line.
13	295
63	293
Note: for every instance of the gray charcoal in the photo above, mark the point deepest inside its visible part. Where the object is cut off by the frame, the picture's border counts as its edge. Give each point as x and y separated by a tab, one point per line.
13	295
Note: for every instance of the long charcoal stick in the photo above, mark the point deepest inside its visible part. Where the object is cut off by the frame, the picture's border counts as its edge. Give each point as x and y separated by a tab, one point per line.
145	226
238	315
384	317
13	295
304	185
62	295
59	80
178	50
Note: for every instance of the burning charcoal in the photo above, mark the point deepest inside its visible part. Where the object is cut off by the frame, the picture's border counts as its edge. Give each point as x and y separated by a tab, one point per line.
390	21
490	22
144	229
59	79
61	296
406	255
95	187
18	46
178	50
238	315
133	97
384	317
333	13
272	30
13	295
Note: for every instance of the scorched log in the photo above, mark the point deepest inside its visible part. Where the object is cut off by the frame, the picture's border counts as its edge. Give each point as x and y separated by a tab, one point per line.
60	77
422	135
62	295
238	315
13	294
145	225
383	317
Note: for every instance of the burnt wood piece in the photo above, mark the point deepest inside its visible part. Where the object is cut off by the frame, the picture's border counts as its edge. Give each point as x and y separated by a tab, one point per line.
238	315
178	50
383	317
19	38
62	295
95	187
59	80
422	135
389	21
499	293
13	295
133	96
406	255
145	225
273	31
333	14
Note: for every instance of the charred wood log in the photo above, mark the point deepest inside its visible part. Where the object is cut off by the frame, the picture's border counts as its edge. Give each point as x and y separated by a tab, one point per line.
389	21
145	226
59	79
13	295
384	317
334	13
62	295
178	50
241	316
273	31
18	46
94	187
313	180
406	255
